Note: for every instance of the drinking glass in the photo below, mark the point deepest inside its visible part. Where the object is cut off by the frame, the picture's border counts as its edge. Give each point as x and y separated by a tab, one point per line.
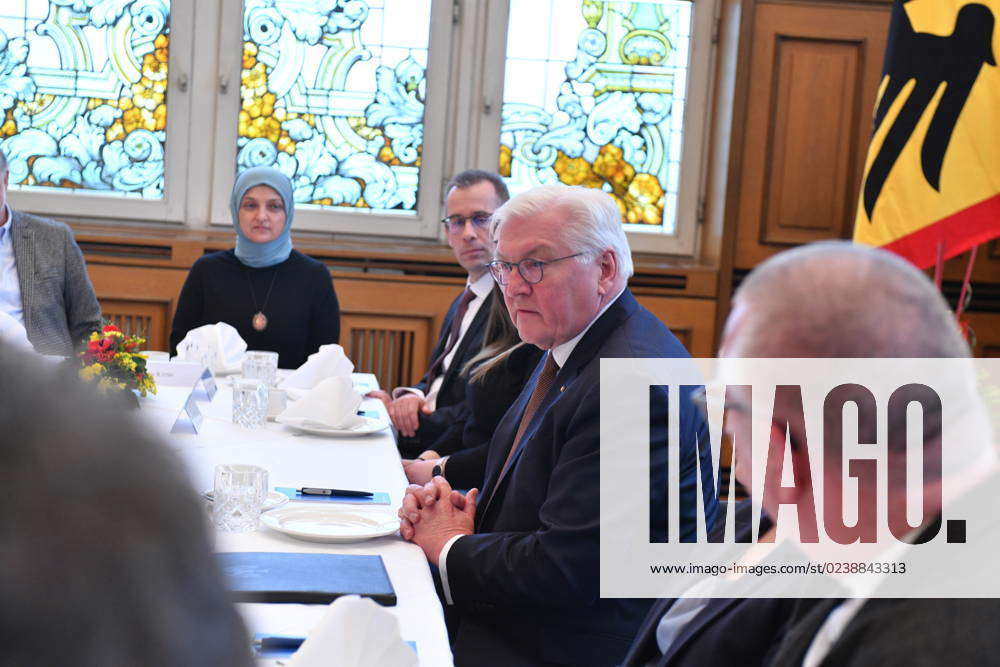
238	496
250	398
261	366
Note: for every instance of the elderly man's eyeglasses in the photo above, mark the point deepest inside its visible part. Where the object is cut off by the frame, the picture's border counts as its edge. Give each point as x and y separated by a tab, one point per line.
456	223
531	270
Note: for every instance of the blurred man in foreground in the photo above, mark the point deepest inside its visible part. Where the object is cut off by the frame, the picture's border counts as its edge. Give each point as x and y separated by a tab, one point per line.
104	548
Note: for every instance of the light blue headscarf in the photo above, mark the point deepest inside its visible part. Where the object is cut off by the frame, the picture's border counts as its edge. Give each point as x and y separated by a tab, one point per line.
273	252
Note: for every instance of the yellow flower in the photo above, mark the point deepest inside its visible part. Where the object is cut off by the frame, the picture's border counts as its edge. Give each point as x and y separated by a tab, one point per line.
110	384
91	372
124	360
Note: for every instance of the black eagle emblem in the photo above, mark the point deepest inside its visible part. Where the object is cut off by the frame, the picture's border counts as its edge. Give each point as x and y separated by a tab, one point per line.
930	60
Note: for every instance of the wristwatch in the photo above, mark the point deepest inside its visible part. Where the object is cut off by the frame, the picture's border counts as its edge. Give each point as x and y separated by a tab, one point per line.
439	468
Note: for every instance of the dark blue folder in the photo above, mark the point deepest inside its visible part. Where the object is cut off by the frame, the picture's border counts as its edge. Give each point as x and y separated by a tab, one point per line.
306	578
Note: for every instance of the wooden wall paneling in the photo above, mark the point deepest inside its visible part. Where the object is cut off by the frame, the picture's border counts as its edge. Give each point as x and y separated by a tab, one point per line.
814	71
986	268
389	324
139	292
386	345
146	318
691	320
985	333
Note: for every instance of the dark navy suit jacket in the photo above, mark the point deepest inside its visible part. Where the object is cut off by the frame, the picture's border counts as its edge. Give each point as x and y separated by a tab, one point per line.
525	586
450	408
727	631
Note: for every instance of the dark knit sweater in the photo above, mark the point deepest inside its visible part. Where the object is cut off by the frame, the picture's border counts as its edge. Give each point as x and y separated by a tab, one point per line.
302	311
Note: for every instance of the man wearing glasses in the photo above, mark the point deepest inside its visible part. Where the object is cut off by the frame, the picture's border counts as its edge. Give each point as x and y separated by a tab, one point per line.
518	562
423	412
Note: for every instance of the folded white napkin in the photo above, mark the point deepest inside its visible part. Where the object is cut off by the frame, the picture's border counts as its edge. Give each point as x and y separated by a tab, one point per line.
332	403
354	631
12	332
218	346
328	361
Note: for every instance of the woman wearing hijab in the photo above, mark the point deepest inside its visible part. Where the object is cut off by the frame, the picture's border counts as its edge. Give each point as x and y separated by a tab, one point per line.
277	298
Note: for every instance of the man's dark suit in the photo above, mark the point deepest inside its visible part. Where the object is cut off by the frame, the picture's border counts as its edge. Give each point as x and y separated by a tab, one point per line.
488	400
525	586
726	631
894	631
889	631
450	410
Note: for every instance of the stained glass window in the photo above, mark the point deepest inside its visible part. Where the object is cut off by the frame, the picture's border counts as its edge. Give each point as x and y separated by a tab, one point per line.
333	96
594	95
83	88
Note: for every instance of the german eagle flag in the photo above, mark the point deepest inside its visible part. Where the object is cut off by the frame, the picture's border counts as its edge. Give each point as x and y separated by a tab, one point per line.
932	177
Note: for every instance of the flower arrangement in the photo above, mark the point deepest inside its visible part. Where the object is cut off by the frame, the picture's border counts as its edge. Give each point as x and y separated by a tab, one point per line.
113	362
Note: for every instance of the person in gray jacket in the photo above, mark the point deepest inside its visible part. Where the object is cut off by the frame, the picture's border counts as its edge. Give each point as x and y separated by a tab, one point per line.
43	279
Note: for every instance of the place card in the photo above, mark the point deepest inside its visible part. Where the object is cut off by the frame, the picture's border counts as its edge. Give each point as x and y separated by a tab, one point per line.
205	389
175	373
184	374
190	417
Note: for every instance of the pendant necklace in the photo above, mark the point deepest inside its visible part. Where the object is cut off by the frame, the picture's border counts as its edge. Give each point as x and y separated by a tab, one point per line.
259	319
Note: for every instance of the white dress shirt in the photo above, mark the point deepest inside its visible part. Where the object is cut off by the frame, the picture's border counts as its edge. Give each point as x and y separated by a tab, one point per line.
481	287
10	286
560	354
12	332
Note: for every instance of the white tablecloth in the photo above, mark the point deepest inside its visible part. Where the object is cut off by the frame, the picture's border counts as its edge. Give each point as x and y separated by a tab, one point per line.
292	460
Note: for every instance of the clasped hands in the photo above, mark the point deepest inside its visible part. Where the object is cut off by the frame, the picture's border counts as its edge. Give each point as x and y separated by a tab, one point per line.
403	411
434	513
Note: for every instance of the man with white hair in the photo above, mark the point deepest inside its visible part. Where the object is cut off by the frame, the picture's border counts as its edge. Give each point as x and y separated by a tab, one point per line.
44	285
519	562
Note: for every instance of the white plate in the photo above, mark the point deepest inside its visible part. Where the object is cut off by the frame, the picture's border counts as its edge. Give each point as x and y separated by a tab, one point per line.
274	499
370	425
332	524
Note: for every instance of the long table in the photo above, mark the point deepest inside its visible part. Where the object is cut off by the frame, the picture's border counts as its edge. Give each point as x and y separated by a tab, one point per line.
291	459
